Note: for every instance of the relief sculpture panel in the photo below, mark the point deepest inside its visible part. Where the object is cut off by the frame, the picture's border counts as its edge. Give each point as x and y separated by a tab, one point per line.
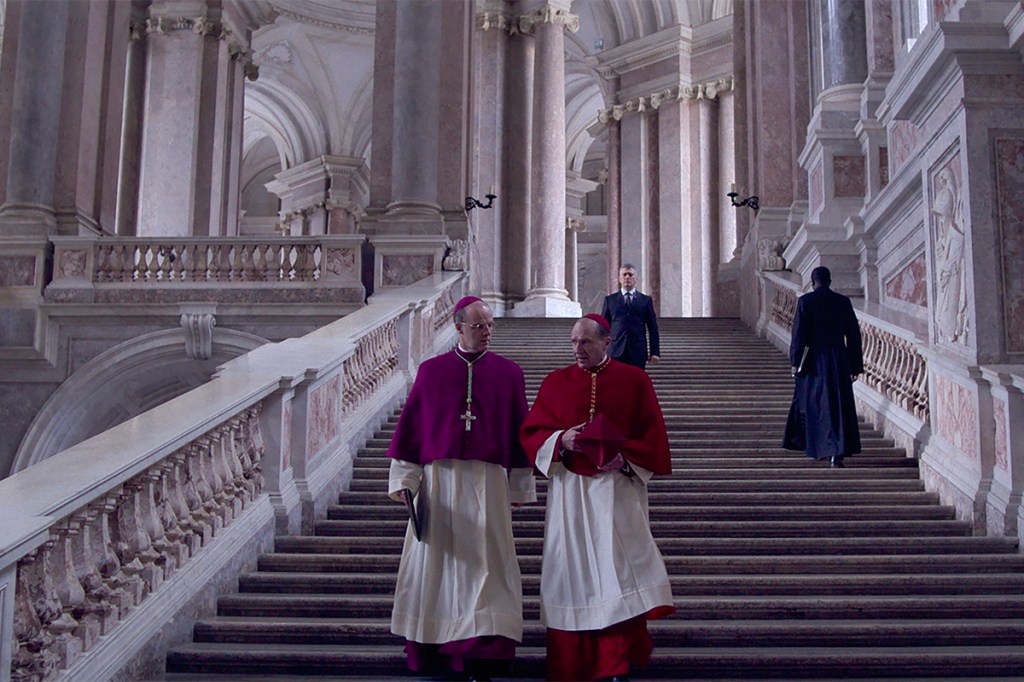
950	244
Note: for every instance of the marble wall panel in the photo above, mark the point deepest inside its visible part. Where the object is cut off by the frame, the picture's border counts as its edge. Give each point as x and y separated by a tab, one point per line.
17	327
817	187
286	435
910	284
849	178
17	271
883	166
72	264
941	9
403	269
1001	424
903	142
324	411
1009	156
341	264
956	416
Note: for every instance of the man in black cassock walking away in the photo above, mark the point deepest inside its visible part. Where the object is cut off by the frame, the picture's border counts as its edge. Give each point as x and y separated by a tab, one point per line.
632	317
823	417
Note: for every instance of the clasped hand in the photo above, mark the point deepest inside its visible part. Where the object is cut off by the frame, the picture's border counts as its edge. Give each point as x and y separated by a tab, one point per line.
568	442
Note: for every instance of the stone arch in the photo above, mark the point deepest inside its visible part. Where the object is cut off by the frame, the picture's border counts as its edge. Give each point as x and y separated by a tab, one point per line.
121	383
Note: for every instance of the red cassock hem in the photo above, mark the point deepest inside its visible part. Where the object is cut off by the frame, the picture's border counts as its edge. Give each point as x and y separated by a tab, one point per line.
488	655
594	654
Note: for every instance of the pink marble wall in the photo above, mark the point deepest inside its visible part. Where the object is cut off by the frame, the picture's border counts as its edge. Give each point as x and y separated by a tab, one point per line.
1002	451
400	270
17	271
324	409
72	264
903	141
817	187
911	283
883	166
341	264
286	437
956	416
1009	155
850	180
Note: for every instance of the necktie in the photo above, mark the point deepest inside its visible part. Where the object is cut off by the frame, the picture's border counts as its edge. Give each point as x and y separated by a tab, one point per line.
629	298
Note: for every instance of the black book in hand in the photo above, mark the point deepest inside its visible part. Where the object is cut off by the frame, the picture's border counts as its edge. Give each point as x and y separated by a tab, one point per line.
410	506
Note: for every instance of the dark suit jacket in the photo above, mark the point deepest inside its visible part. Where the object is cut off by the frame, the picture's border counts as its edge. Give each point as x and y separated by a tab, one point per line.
631	325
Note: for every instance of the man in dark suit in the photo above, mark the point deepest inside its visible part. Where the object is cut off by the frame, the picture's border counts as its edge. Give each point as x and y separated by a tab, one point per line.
632	318
823	418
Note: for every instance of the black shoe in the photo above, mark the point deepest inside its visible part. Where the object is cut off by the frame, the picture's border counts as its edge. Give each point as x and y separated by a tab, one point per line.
837	463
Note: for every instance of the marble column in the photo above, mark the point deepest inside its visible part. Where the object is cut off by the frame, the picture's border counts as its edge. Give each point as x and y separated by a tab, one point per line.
130	156
576	190
35	119
548	296
518	164
833	155
195	53
321	196
634	194
612	202
90	130
489	72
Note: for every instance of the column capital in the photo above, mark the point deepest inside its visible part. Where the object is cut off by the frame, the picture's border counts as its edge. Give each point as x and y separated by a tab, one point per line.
548	14
709	90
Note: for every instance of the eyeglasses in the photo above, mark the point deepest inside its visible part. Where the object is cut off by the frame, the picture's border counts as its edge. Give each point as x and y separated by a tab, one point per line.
478	325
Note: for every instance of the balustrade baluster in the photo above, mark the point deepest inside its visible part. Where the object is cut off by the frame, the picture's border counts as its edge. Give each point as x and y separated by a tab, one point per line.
150	519
124	531
33	657
174	533
109	562
98	610
68	591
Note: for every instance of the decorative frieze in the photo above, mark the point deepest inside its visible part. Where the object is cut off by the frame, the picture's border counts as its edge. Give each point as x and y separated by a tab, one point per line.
708	90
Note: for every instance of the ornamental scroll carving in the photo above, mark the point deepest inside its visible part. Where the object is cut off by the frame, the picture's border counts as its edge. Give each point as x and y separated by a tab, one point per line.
198	328
548	15
769	255
708	90
457	257
201	26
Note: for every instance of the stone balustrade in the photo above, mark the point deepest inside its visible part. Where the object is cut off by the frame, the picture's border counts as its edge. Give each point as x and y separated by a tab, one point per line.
155	269
893	364
110	544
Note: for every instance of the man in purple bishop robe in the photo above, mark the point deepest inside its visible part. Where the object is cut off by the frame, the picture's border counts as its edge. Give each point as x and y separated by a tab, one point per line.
458	597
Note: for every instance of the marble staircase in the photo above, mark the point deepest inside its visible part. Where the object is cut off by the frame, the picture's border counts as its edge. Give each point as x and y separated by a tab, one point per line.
782	568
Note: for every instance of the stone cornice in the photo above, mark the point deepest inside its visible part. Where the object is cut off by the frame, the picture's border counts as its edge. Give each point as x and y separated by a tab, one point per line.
666	44
708	90
321	22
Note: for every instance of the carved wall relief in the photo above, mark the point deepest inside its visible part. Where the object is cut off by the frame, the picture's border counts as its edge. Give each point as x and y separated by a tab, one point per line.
950	243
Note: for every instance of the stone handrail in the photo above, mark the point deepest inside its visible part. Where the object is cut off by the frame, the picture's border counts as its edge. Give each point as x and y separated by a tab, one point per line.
97	539
893	364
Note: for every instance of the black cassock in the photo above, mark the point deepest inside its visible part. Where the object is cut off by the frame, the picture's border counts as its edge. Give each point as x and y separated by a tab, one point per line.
823	417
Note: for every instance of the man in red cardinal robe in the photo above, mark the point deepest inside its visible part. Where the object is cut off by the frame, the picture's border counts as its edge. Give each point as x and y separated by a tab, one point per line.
602	576
458	597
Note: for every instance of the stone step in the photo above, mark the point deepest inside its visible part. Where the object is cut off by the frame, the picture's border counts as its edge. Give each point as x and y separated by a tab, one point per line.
714	607
365	471
682	585
387	509
742	564
814	663
682	483
396	527
747	633
675	546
